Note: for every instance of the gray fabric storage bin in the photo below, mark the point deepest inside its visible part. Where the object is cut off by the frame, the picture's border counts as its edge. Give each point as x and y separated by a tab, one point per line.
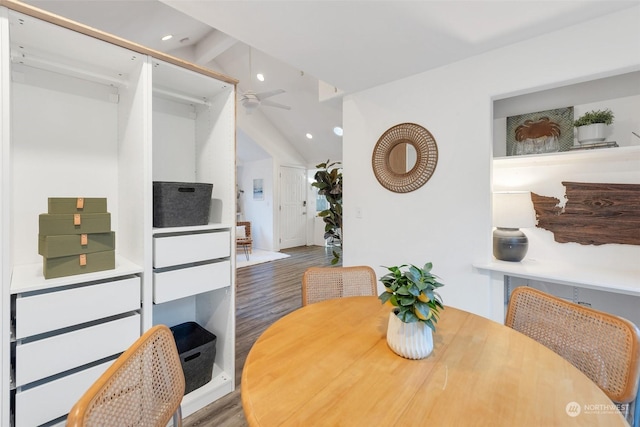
178	204
197	349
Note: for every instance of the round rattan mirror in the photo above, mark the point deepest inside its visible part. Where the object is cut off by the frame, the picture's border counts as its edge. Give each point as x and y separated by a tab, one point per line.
404	157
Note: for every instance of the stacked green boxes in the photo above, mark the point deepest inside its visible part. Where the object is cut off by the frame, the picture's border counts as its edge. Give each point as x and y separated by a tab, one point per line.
75	237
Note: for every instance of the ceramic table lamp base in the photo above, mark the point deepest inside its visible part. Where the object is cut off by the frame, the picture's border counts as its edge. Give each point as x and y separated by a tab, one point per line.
509	244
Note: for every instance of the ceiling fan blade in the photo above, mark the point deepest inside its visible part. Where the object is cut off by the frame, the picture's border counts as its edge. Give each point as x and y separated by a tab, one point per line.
264	95
275	104
249	95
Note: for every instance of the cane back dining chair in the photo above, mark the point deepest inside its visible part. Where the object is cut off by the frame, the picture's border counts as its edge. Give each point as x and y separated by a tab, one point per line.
243	237
603	346
144	386
321	283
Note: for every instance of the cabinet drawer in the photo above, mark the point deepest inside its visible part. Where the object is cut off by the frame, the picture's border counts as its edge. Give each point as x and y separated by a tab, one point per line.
42	358
188	248
55	310
54	399
174	284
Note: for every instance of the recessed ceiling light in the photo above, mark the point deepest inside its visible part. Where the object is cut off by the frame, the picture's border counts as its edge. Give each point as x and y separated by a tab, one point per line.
260	77
309	136
167	37
337	130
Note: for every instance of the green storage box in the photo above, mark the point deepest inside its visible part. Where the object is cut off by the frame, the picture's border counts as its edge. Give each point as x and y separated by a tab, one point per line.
54	224
62	205
73	264
74	244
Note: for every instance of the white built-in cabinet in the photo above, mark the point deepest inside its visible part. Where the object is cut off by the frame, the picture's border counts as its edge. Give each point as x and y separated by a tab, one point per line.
85	114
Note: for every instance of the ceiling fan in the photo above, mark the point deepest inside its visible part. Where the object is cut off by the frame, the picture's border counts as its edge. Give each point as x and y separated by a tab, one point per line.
251	100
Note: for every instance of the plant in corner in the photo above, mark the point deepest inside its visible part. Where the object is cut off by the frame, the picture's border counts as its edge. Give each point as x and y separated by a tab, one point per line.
328	181
592	125
412	292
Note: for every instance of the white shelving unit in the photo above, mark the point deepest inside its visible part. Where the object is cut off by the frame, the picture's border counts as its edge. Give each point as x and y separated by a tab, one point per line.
86	114
194	130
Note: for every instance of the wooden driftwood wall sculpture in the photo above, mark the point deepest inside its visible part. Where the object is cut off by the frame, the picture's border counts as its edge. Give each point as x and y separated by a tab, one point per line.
594	214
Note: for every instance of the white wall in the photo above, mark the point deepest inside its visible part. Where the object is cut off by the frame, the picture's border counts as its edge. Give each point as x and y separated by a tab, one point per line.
259	212
448	220
259	130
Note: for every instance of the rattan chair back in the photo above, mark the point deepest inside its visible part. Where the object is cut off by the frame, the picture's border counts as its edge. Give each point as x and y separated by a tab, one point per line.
603	346
245	242
144	386
322	283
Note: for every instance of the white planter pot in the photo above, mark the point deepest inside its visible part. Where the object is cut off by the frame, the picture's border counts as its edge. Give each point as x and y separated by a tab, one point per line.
409	340
592	133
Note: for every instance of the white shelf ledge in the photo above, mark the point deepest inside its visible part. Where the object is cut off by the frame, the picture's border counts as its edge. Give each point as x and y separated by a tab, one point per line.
631	153
221	384
190	229
599	277
28	277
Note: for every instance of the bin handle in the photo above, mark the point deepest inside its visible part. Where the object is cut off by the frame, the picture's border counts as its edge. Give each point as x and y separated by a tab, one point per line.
186	189
191	357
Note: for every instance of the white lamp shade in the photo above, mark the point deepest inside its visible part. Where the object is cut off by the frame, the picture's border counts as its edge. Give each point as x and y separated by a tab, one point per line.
513	209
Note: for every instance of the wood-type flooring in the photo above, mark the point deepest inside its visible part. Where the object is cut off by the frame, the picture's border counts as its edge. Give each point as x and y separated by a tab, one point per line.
264	293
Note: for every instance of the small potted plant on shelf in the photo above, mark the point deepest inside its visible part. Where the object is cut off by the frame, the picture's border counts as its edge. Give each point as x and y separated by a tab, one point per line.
592	125
412	292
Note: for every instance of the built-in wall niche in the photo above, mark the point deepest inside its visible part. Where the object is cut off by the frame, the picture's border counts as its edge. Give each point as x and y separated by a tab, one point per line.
620	93
68	138
190	141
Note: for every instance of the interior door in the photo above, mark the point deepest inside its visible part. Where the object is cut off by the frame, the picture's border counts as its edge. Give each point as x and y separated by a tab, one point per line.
293	207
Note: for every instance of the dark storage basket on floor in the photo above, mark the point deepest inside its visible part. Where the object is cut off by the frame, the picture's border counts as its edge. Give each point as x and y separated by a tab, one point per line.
179	204
197	349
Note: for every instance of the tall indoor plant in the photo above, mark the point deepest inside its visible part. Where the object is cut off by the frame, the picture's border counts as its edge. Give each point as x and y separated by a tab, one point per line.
328	181
412	292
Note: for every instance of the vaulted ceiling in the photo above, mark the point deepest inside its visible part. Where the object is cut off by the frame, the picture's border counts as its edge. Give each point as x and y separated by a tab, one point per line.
322	49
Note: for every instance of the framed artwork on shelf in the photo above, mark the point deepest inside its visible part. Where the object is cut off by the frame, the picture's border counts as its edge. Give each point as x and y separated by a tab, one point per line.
547	131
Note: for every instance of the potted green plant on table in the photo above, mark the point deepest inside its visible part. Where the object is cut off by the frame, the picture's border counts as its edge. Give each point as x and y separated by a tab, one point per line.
328	181
592	125
411	290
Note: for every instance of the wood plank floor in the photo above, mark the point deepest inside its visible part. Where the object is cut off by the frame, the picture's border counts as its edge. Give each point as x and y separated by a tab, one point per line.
264	293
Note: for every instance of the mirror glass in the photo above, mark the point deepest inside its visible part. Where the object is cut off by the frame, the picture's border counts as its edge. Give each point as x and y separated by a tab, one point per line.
402	157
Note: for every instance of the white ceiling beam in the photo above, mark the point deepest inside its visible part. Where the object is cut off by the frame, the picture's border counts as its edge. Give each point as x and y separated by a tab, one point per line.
212	45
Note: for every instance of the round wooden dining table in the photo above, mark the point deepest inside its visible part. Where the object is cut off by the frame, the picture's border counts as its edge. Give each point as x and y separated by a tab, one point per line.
328	364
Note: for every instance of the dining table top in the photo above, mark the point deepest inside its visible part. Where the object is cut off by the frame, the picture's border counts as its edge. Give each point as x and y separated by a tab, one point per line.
329	364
